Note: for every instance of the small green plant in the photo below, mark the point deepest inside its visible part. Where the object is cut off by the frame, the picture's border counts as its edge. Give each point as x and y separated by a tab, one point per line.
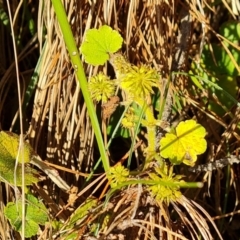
11	173
35	214
154	175
138	84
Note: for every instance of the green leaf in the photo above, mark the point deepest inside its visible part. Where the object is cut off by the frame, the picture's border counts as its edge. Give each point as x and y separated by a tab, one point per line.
185	145
230	30
4	18
226	82
9	143
222	64
36	214
82	211
78	217
99	43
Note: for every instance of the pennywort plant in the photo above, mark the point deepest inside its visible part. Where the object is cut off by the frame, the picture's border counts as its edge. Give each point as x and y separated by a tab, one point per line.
137	83
180	145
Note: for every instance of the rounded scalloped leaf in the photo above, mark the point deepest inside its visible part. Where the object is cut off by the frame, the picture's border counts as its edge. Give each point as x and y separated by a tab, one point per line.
99	43
36	214
9	144
185	145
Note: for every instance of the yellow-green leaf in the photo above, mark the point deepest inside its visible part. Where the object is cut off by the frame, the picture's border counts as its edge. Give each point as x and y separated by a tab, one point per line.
35	215
9	144
186	144
99	43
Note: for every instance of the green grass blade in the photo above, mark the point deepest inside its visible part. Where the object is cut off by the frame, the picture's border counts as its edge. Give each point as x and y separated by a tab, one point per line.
79	71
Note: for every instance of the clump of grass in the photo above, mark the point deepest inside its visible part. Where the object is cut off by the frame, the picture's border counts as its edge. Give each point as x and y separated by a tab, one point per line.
60	131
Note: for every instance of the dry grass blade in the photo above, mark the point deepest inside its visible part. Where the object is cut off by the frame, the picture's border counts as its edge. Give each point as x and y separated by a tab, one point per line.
4	227
137	221
198	218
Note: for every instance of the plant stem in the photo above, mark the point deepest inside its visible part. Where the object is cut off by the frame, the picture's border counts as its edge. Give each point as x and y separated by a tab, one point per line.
79	71
151	129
